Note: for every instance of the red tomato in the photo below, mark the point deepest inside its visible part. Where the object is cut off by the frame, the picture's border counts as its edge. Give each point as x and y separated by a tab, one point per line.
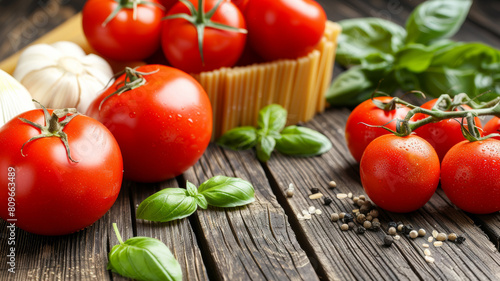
167	4
359	135
163	127
399	174
469	176
241	4
53	195
444	134
123	37
284	29
220	48
492	127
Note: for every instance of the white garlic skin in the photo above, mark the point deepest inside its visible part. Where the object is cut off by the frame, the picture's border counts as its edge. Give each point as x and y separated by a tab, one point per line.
61	75
14	98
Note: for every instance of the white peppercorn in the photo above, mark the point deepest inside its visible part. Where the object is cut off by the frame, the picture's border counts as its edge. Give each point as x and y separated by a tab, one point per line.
413	234
441	237
334	217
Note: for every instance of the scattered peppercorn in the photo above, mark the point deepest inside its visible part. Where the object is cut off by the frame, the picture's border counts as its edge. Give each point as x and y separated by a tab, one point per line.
373	213
364	209
355	200
289	192
332	184
351	225
362	197
327	201
367	224
413	234
349	195
407	228
391	231
369	218
441	237
392	224
388	240
375	225
360	202
400	227
460	239
375	219
314	190
422	232
334	217
360	230
348	218
361	218
341	215
344	227
452	237
355	211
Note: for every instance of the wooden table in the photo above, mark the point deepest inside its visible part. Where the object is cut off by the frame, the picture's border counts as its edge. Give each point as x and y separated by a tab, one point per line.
266	240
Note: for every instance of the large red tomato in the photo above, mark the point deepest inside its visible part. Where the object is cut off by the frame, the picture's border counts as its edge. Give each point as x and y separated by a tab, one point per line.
123	37
284	29
444	134
221	48
163	127
470	174
399	174
47	193
492	127
357	132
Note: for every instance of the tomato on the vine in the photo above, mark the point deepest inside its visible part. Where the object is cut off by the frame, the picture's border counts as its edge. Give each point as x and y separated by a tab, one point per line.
444	134
284	29
359	130
492	127
168	4
128	35
399	174
219	45
163	125
54	189
469	176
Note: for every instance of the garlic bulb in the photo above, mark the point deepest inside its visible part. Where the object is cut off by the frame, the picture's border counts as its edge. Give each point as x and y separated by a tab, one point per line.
14	98
61	75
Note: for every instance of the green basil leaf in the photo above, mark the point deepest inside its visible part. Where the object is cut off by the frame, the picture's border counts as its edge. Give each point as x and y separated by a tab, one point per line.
436	19
221	191
414	57
191	189
201	201
357	84
240	138
265	147
167	205
364	36
143	258
302	141
272	118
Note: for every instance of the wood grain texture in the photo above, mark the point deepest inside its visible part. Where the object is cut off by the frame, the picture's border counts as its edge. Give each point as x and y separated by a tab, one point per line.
253	242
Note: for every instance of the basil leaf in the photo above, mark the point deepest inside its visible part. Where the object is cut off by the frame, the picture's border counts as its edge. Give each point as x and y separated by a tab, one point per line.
362	37
191	189
143	258
436	19
201	201
272	118
302	141
265	147
240	138
224	191
167	205
414	57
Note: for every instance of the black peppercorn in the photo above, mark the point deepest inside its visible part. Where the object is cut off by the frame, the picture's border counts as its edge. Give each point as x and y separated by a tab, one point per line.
460	239
327	201
388	240
314	190
407	228
392	224
360	230
364	209
351	225
375	226
348	218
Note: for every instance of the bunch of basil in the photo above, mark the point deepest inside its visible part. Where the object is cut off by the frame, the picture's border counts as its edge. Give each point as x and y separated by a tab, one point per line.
384	56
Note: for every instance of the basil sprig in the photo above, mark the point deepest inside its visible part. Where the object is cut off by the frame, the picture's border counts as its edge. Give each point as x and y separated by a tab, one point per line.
271	134
385	56
143	258
177	203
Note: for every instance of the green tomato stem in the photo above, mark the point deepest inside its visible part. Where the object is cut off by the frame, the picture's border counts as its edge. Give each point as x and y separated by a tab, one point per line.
117	232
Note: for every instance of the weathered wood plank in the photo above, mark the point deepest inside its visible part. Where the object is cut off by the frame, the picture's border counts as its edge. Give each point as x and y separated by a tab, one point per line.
177	235
253	242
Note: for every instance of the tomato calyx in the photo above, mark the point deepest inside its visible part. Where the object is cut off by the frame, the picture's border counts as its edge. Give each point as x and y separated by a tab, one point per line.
133	80
200	20
128	4
53	127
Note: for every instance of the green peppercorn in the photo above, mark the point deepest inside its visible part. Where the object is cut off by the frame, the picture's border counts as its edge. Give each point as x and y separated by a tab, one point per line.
388	240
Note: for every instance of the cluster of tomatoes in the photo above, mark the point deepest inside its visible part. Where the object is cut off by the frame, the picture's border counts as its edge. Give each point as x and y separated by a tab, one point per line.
401	174
220	34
